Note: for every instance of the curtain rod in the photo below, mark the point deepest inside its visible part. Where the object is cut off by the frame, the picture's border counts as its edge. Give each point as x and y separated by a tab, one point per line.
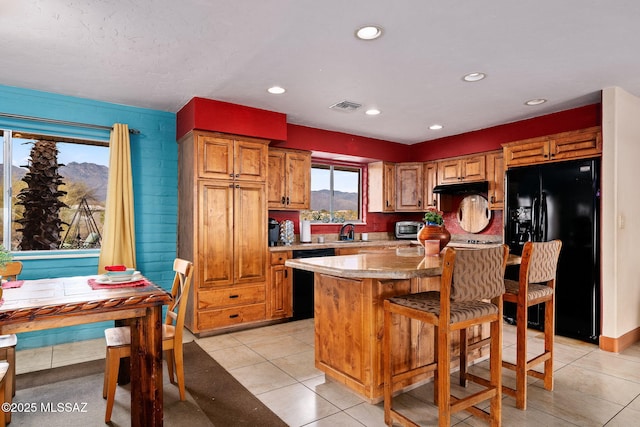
63	122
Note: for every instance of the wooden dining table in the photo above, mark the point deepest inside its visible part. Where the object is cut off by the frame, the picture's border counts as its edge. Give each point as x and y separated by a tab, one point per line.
33	305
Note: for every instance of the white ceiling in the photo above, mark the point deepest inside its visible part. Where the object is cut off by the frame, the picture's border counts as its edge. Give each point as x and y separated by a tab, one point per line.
160	53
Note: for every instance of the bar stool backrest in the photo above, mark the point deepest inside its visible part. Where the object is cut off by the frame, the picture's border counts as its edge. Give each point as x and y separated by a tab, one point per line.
544	261
478	274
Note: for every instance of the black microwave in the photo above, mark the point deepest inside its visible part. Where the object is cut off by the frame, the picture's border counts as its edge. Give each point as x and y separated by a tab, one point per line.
408	229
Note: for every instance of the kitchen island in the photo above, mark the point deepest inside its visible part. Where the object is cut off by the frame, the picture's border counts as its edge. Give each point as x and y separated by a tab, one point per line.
348	296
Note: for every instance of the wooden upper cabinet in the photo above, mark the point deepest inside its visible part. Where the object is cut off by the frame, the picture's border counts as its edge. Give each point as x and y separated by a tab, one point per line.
382	187
495	176
430	181
289	179
276	182
578	144
526	152
462	169
229	157
409	187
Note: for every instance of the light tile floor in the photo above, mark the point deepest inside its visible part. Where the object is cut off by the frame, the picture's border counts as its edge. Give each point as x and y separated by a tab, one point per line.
276	363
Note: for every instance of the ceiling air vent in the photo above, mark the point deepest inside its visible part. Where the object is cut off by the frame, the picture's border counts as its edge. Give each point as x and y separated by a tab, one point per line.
347	106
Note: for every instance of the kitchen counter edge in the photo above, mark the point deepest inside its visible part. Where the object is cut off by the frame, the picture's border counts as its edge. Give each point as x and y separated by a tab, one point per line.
348	244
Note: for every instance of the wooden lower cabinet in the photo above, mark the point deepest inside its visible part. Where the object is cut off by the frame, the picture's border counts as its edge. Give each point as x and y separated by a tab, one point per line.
349	326
232	316
280	288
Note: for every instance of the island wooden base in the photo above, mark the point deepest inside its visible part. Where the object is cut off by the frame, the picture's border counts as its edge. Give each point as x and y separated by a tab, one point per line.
349	327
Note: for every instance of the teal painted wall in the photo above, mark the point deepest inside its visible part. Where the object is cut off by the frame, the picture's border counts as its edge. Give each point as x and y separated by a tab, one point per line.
154	163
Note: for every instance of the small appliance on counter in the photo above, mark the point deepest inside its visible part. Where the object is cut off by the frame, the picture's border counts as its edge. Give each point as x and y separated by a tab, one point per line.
274	232
286	232
408	229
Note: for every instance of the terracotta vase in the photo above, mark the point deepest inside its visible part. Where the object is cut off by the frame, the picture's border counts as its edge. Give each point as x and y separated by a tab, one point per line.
434	232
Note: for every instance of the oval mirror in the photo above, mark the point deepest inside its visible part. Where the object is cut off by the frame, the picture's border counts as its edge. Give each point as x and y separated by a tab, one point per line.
474	214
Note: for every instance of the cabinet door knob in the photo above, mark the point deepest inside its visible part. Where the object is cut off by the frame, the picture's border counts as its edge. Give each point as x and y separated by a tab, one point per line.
283	200
237	175
493	199
287	199
233	296
230	175
233	316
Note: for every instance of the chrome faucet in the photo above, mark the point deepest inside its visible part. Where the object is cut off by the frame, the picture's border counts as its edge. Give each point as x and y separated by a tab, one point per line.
347	232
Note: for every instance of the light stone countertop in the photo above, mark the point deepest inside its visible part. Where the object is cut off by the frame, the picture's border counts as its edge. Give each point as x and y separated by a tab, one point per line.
400	263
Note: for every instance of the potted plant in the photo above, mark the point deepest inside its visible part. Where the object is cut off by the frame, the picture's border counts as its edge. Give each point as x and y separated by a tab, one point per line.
434	228
5	256
433	217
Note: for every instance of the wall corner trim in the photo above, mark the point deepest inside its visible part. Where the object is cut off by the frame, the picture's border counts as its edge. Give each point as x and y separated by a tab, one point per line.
616	345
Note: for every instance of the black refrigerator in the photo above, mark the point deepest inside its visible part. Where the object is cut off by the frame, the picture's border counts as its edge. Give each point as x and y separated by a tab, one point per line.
560	201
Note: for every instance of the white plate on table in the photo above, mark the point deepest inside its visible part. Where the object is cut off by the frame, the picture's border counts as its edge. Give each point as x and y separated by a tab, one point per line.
112	280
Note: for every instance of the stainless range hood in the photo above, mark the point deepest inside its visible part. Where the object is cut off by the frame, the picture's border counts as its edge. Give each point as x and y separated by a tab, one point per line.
463	188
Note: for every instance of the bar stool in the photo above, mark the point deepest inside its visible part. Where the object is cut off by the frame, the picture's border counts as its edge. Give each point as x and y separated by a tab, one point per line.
469	278
535	286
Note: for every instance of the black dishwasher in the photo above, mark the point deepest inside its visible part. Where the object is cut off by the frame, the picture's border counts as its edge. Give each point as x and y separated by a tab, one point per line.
303	284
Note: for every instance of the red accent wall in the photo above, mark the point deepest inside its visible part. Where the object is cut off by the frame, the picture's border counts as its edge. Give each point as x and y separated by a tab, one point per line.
491	138
358	148
208	114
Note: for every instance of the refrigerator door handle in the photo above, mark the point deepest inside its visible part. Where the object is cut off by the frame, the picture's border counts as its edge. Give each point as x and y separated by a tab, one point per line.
535	228
544	218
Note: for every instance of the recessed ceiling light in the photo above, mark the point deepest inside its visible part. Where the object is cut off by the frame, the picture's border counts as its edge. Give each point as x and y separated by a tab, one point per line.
435	127
372	112
369	32
474	77
276	90
536	101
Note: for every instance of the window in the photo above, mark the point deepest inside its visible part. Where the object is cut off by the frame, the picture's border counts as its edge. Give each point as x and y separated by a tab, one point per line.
77	197
335	194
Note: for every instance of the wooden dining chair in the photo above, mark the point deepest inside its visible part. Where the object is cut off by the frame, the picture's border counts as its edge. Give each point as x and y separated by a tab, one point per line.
8	343
471	288
119	339
536	285
5	395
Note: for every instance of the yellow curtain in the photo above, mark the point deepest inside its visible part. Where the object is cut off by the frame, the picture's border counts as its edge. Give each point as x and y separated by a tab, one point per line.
118	234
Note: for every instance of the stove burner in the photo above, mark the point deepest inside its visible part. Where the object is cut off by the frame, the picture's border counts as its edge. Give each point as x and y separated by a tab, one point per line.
480	242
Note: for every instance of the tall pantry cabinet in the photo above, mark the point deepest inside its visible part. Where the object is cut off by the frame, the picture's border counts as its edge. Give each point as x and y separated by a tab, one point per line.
222	220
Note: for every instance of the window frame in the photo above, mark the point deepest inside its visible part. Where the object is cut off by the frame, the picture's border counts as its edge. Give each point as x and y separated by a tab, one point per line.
8	139
347	166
